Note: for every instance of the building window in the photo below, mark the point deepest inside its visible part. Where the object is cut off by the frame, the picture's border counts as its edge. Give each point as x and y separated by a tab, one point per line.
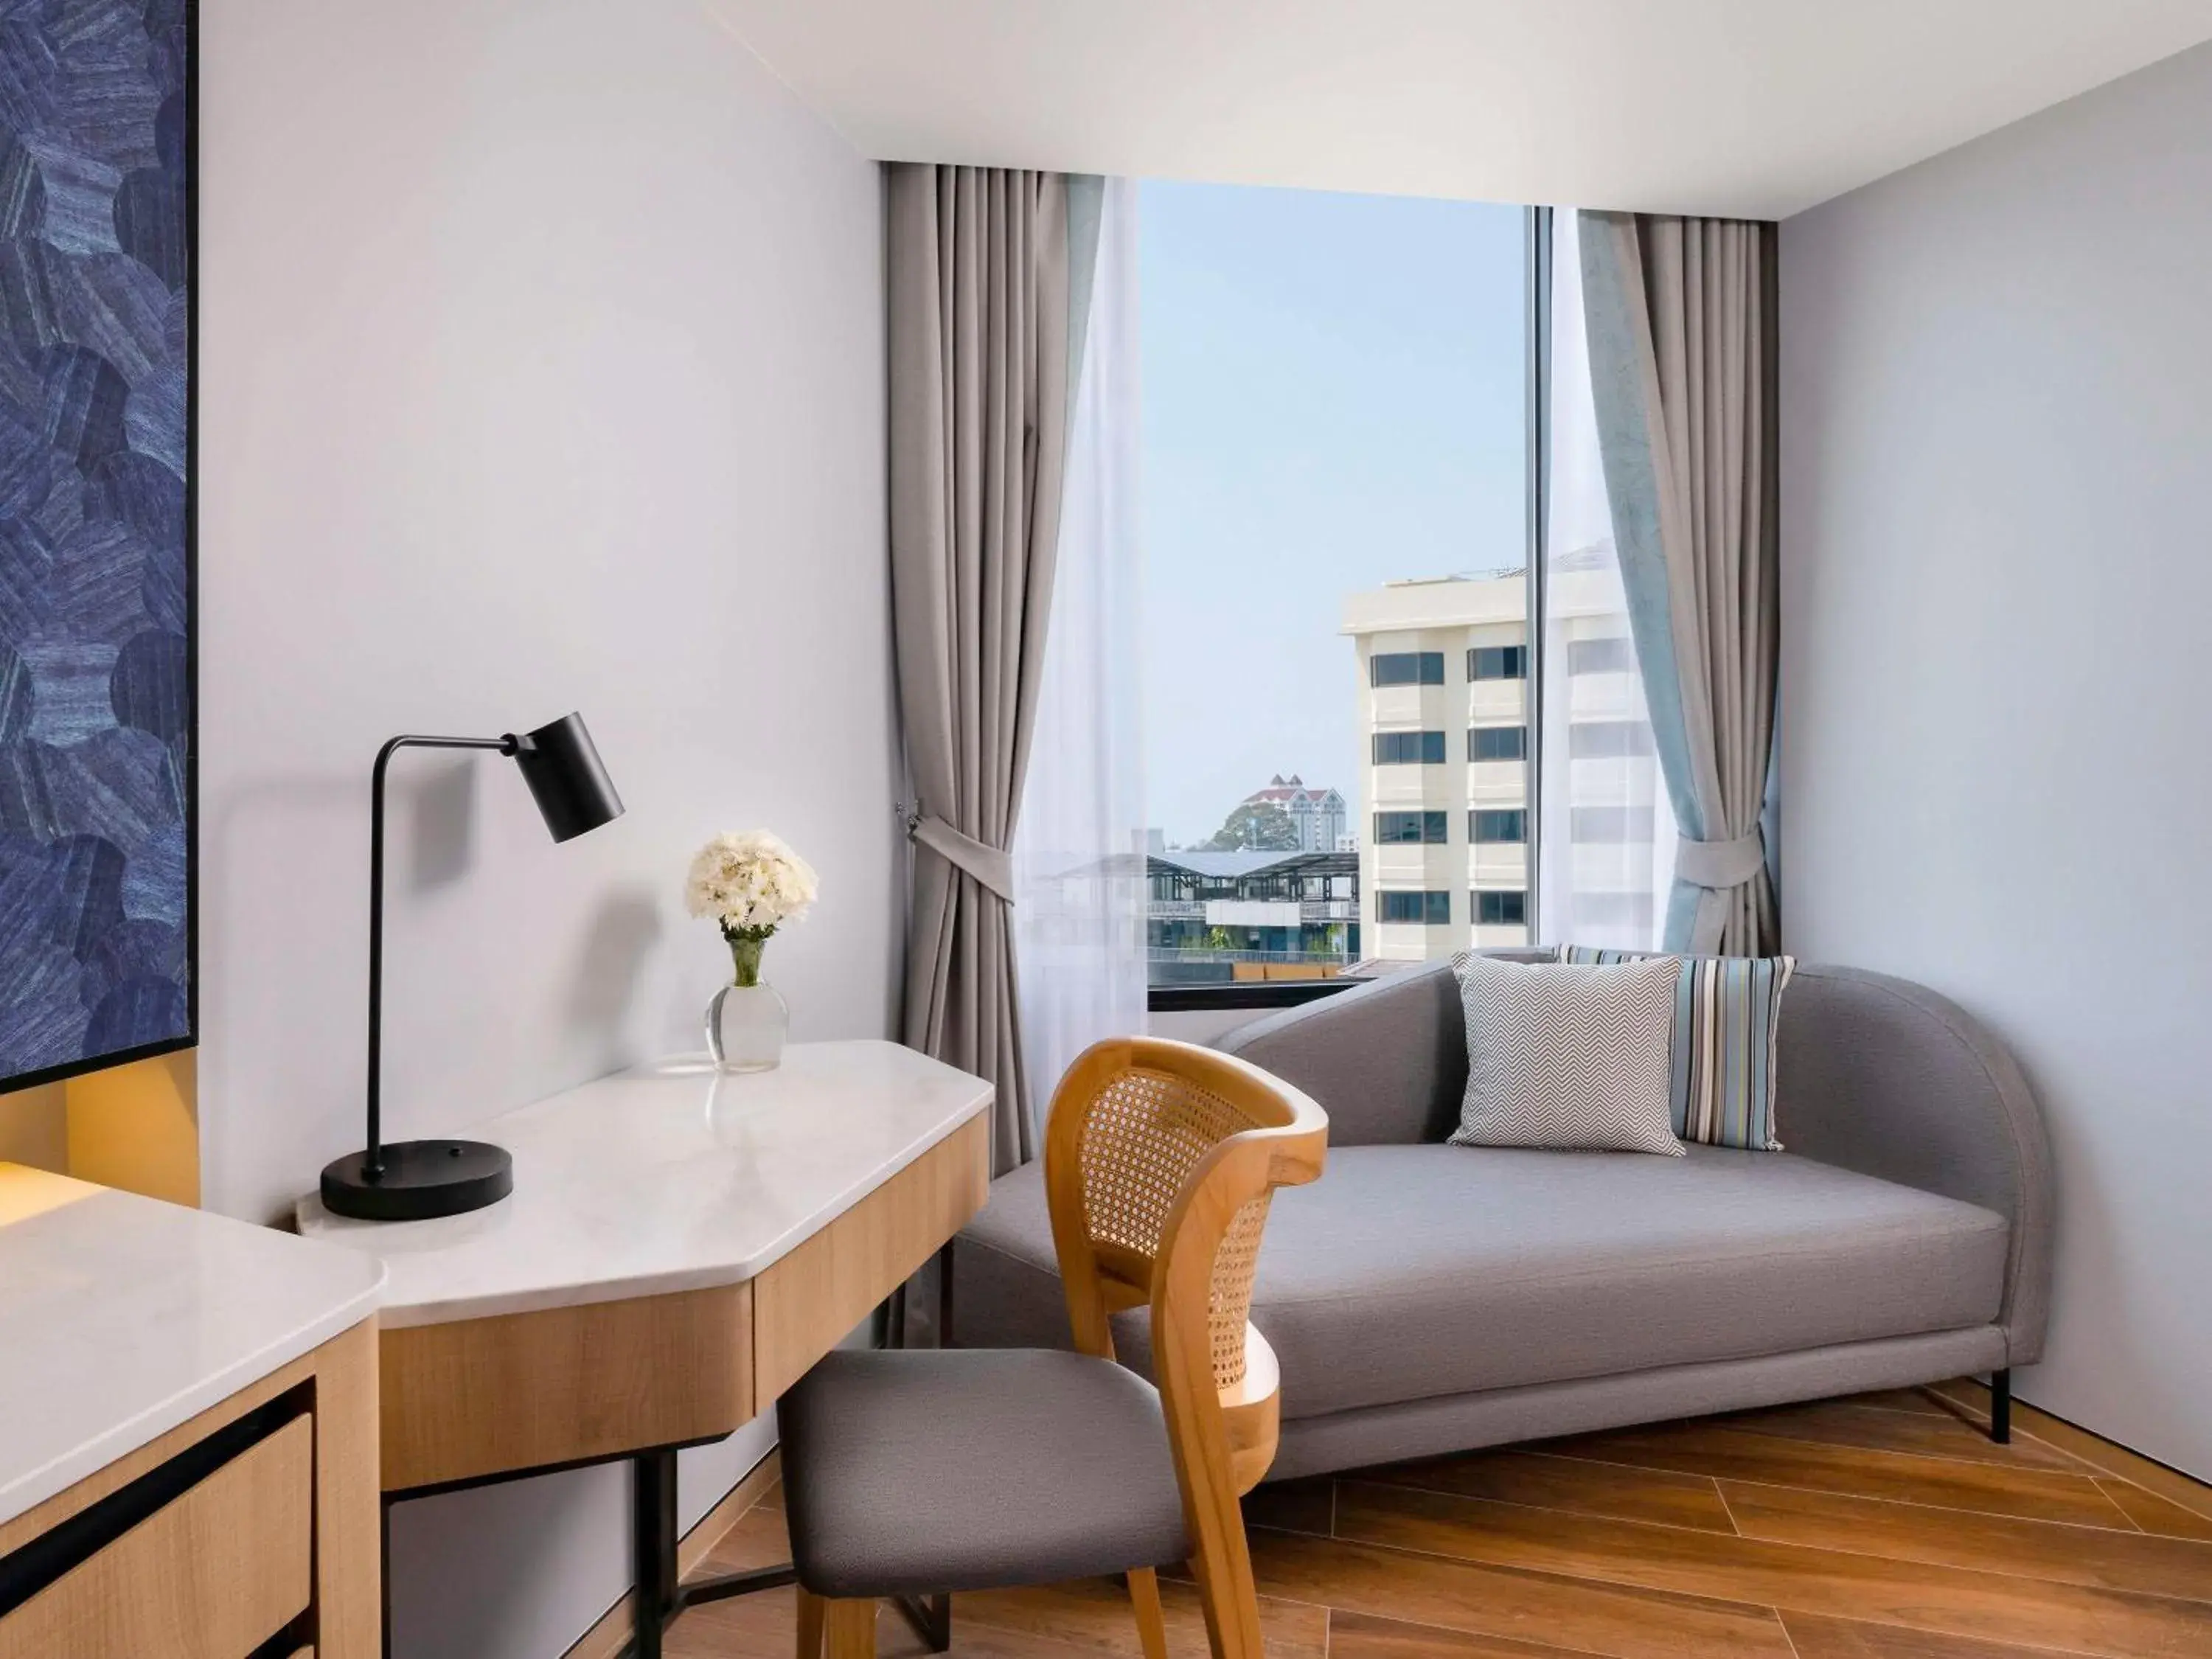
1500	910
1608	739
1399	828
1406	668
1498	662
1409	748
1612	654
1493	826
1429	910
1498	743
1611	825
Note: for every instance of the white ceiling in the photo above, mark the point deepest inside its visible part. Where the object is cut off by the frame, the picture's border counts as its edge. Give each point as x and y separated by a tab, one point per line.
1752	108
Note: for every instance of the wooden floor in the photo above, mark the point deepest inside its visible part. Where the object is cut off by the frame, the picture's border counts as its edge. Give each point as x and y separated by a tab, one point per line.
1882	1527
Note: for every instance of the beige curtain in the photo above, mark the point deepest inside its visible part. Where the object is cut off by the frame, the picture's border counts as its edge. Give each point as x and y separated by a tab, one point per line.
979	327
1680	315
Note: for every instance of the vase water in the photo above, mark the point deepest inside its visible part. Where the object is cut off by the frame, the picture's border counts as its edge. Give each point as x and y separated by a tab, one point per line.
747	1020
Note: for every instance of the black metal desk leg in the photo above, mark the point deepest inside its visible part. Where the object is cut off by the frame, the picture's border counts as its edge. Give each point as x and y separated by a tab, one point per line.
653	1547
931	1616
384	1566
945	1297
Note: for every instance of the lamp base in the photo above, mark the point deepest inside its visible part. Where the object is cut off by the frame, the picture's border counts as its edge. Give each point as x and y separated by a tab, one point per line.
420	1179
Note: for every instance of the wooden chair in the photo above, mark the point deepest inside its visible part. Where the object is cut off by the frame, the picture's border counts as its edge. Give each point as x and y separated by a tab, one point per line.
927	1472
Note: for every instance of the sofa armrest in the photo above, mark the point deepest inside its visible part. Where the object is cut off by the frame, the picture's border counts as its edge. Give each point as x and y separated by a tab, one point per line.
1889	1078
1388	1062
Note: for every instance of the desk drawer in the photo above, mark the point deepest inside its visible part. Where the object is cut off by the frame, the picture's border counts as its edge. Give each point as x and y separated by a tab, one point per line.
805	1303
213	1574
563	1385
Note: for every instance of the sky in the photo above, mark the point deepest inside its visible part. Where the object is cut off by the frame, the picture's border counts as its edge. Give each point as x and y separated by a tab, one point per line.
1332	393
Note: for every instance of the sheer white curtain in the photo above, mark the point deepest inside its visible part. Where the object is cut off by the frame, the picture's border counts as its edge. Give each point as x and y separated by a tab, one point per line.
1608	853
1078	850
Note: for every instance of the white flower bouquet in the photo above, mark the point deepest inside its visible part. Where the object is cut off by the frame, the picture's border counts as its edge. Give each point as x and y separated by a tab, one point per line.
751	884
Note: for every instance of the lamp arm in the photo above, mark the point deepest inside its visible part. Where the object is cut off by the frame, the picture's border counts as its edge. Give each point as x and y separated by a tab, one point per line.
509	745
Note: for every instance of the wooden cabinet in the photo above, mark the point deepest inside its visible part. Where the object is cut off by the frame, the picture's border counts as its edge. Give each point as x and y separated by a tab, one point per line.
254	1523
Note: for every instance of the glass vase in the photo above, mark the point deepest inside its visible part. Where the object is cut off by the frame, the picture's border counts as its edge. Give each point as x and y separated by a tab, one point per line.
747	1019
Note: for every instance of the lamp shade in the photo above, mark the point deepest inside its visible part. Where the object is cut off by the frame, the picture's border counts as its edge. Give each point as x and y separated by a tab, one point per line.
566	778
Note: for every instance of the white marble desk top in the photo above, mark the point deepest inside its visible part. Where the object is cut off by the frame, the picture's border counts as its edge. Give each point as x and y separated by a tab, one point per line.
666	1177
122	1317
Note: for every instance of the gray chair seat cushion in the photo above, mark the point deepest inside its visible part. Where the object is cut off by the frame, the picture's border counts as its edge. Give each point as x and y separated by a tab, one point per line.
909	1472
1411	1272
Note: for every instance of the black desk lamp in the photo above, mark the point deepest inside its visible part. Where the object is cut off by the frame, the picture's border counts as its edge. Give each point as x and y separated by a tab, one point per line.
414	1180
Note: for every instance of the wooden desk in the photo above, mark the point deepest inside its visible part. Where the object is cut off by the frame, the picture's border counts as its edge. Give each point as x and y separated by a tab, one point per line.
187	1432
679	1249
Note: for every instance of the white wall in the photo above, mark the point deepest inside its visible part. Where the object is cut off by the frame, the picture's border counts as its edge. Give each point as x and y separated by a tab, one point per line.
542	367
1996	444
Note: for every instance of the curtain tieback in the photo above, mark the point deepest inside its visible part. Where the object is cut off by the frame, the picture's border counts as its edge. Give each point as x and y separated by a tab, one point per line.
1720	864
991	866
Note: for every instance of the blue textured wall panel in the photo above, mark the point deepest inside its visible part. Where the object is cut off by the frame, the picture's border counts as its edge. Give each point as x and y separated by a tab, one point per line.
95	684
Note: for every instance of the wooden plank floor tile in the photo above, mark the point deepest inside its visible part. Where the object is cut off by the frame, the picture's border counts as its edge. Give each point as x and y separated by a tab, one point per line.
765	1626
1094	1616
1615	1621
2152	1513
976	1638
1078	1620
1932	1434
759	1540
1292	1505
1877	1527
1900	1400
1566	1483
1362	1636
1988	1543
1815	1637
762	1626
1730	1454
759	1627
1950	1601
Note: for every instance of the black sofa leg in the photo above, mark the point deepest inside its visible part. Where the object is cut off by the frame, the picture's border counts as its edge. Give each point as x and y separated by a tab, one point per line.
2001	1405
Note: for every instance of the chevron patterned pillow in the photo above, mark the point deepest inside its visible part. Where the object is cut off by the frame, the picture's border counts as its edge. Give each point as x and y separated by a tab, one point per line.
1567	1056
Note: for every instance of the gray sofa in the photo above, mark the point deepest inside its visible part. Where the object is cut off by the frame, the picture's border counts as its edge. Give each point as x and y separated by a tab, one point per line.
1425	1298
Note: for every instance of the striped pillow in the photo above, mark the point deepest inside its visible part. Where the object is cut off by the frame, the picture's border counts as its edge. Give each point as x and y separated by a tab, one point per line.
1728	1010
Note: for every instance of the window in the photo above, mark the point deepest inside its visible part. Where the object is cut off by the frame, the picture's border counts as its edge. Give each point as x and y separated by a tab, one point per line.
1406	668
1608	740
1430	909
1498	662
1382	344
1489	825
1611	825
1409	748
1396	829
1499	908
1613	654
1498	743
